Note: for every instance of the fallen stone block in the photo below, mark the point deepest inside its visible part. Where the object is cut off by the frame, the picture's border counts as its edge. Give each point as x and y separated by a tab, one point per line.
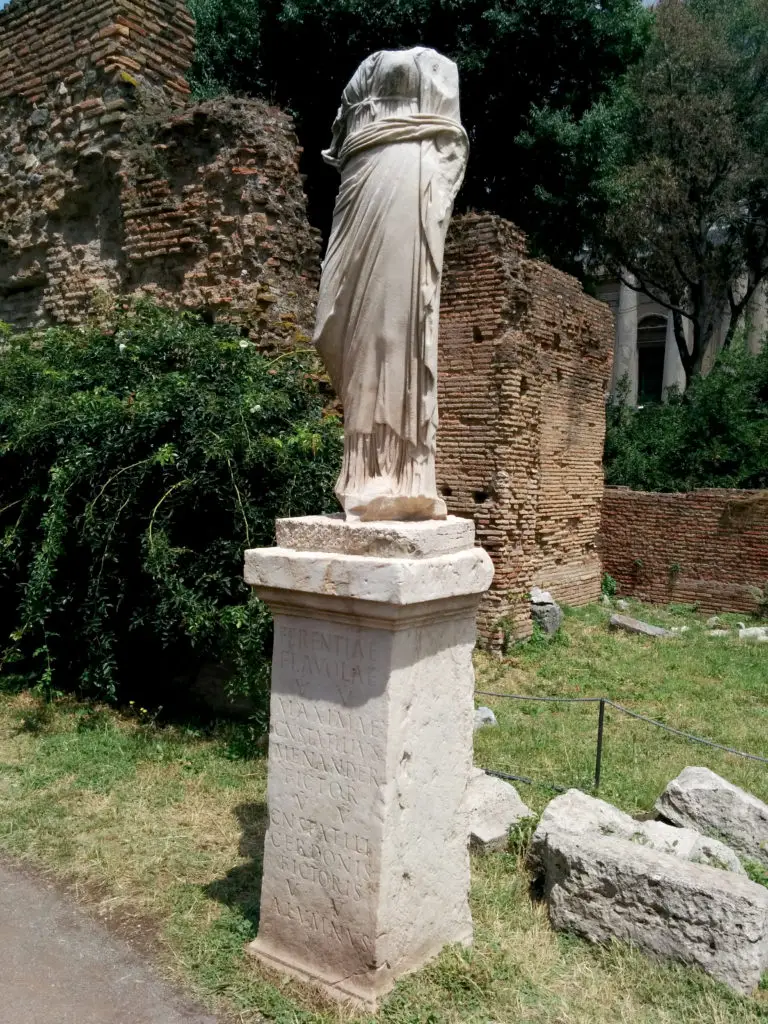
603	888
494	807
548	616
484	717
718	632
580	814
539	596
756	634
700	799
630	625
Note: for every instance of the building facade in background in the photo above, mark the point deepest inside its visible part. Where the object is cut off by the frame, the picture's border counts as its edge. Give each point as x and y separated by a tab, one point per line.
646	352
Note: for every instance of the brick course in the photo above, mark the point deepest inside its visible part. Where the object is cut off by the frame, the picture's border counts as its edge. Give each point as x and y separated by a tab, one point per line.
525	360
44	42
113	183
707	546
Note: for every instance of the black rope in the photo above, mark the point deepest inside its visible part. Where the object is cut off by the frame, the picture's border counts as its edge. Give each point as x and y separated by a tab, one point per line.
525	779
632	714
523	696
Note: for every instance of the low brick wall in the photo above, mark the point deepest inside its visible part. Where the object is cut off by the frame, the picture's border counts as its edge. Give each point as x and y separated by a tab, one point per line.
706	546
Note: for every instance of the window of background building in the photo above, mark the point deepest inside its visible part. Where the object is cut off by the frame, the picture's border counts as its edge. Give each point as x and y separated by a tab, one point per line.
651	343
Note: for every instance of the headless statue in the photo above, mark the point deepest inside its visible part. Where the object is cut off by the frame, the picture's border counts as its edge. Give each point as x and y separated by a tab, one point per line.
401	151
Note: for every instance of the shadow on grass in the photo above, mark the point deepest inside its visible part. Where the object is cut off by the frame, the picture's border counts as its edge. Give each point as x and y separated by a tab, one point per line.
240	889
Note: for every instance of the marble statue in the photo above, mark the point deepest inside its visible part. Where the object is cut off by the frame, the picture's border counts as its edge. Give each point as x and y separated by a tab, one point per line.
401	150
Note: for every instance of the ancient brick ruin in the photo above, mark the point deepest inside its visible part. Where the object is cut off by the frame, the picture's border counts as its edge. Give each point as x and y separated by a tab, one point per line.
112	182
708	547
525	362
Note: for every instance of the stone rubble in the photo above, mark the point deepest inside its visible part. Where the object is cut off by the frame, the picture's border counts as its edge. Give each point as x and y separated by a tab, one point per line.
630	625
484	717
645	889
494	807
700	799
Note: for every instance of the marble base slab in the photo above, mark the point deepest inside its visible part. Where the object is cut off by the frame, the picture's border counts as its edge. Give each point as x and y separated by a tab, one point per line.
366	867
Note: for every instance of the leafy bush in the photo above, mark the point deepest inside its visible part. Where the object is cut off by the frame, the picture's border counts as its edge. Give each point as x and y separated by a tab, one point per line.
715	435
136	465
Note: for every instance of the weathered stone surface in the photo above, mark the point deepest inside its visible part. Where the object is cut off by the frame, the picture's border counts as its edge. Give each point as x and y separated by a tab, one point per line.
548	616
622	605
483	717
718	632
604	888
332	533
366	869
577	813
700	799
630	625
494	807
539	596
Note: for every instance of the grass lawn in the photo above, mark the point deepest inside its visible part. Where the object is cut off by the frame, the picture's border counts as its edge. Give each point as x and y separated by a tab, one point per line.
161	829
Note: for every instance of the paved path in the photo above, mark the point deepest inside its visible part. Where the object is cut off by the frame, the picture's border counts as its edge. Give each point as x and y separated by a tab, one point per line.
59	967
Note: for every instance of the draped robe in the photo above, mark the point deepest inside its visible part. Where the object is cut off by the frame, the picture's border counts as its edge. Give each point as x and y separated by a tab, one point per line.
401	150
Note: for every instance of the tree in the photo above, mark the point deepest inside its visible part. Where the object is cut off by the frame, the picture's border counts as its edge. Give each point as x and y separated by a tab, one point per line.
515	57
684	191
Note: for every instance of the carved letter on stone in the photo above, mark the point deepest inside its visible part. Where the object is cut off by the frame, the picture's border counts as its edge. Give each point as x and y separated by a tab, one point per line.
401	150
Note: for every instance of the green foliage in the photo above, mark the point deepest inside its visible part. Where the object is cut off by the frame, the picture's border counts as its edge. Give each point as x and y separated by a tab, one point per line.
682	182
136	465
608	585
715	435
515	57
756	872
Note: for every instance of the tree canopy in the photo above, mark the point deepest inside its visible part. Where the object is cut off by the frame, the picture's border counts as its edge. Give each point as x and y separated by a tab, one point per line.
681	204
516	58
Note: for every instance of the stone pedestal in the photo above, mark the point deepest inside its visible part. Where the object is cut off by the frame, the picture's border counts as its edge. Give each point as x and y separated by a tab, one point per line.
366	869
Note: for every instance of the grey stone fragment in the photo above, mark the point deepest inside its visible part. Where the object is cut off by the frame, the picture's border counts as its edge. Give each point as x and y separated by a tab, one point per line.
630	625
604	599
484	716
39	117
581	814
605	888
539	596
622	605
756	634
713	622
700	799
494	807
718	632
548	616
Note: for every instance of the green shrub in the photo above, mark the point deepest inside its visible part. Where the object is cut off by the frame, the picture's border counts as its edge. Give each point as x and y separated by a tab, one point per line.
715	435
136	465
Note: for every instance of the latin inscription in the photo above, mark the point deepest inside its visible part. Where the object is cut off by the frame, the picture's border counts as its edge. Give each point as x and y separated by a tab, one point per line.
348	661
327	753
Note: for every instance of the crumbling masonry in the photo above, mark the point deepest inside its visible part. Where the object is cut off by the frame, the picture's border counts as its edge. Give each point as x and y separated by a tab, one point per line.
525	362
113	183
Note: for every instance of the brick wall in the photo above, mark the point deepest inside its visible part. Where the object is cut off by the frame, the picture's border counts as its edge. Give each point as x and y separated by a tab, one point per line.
45	42
113	183
525	360
706	546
